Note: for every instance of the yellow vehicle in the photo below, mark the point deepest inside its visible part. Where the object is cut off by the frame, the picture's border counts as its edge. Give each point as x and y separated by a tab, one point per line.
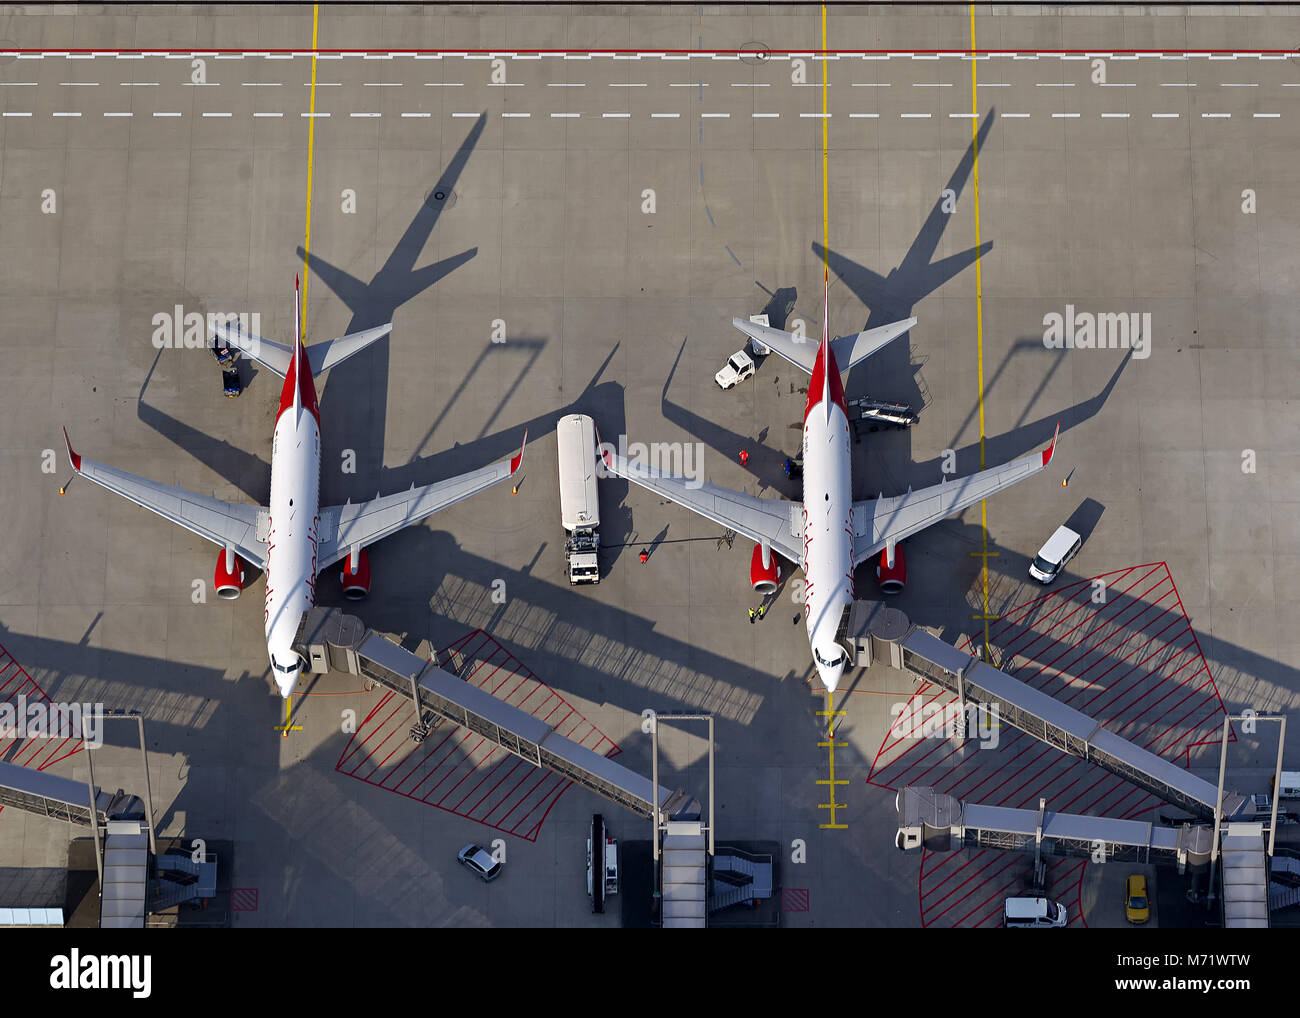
1137	907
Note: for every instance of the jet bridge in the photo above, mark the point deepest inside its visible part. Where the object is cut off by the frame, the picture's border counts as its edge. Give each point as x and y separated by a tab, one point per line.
876	632
328	639
940	822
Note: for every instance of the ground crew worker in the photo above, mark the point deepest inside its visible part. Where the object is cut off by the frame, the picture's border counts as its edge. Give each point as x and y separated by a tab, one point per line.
762	609
645	556
752	614
744	457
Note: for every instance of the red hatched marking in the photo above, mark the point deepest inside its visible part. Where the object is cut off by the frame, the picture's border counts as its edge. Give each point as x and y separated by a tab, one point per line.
458	770
243	899
1133	663
30	751
796	899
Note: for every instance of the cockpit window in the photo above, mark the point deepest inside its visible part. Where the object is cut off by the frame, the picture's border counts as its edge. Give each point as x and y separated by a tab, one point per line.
832	663
288	669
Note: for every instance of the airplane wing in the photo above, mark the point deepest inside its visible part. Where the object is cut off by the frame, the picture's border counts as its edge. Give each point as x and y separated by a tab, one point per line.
348	526
227	524
881	521
801	351
776	522
277	356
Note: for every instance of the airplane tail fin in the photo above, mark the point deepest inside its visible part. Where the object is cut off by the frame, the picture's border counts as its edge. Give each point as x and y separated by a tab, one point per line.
826	342
297	346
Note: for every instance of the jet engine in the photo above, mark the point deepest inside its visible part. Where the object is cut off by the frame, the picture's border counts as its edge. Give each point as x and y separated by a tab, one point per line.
228	577
764	572
355	579
892	577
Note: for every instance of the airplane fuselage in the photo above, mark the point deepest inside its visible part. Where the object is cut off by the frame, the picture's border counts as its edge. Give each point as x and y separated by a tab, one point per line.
828	511
291	564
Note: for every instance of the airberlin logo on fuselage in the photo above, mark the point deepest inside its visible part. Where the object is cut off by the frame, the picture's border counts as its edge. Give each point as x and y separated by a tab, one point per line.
181	330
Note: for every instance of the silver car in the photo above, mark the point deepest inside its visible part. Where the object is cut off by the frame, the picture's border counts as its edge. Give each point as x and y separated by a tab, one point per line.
478	860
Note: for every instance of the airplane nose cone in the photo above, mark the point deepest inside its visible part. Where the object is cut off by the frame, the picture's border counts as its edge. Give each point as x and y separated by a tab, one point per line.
830	676
285	685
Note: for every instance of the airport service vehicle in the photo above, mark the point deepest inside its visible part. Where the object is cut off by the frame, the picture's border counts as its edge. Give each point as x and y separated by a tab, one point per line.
602	868
1051	558
828	534
1137	907
478	860
293	538
739	366
1033	914
579	500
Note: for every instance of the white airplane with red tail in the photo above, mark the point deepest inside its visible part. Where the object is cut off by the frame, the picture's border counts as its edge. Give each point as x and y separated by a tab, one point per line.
828	534
294	538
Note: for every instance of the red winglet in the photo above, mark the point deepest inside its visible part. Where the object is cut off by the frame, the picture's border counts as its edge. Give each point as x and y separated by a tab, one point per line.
1050	451
76	459
519	457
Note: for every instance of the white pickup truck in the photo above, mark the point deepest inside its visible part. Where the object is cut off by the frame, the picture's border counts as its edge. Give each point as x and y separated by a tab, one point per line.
739	366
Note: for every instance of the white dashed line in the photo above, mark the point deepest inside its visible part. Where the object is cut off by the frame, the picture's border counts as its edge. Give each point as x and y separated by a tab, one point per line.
566	84
1064	116
963	116
812	116
18	84
310	115
870	84
1177	84
932	84
417	114
1215	116
268	114
619	116
12	114
1236	84
473	116
382	84
864	116
750	84
523	115
915	116
627	84
444	84
566	115
261	84
772	116
167	114
1117	116
140	84
66	114
1119	84
1016	116
375	114
715	116
119	114
1164	116
667	116
206	114
1270	116
688	84
79	84
1054	84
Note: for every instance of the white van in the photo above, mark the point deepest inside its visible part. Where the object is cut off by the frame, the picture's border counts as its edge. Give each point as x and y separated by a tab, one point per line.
1032	914
1051	558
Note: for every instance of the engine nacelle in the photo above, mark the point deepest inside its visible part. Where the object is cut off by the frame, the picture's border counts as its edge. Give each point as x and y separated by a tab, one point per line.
892	579
228	577
763	577
355	579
